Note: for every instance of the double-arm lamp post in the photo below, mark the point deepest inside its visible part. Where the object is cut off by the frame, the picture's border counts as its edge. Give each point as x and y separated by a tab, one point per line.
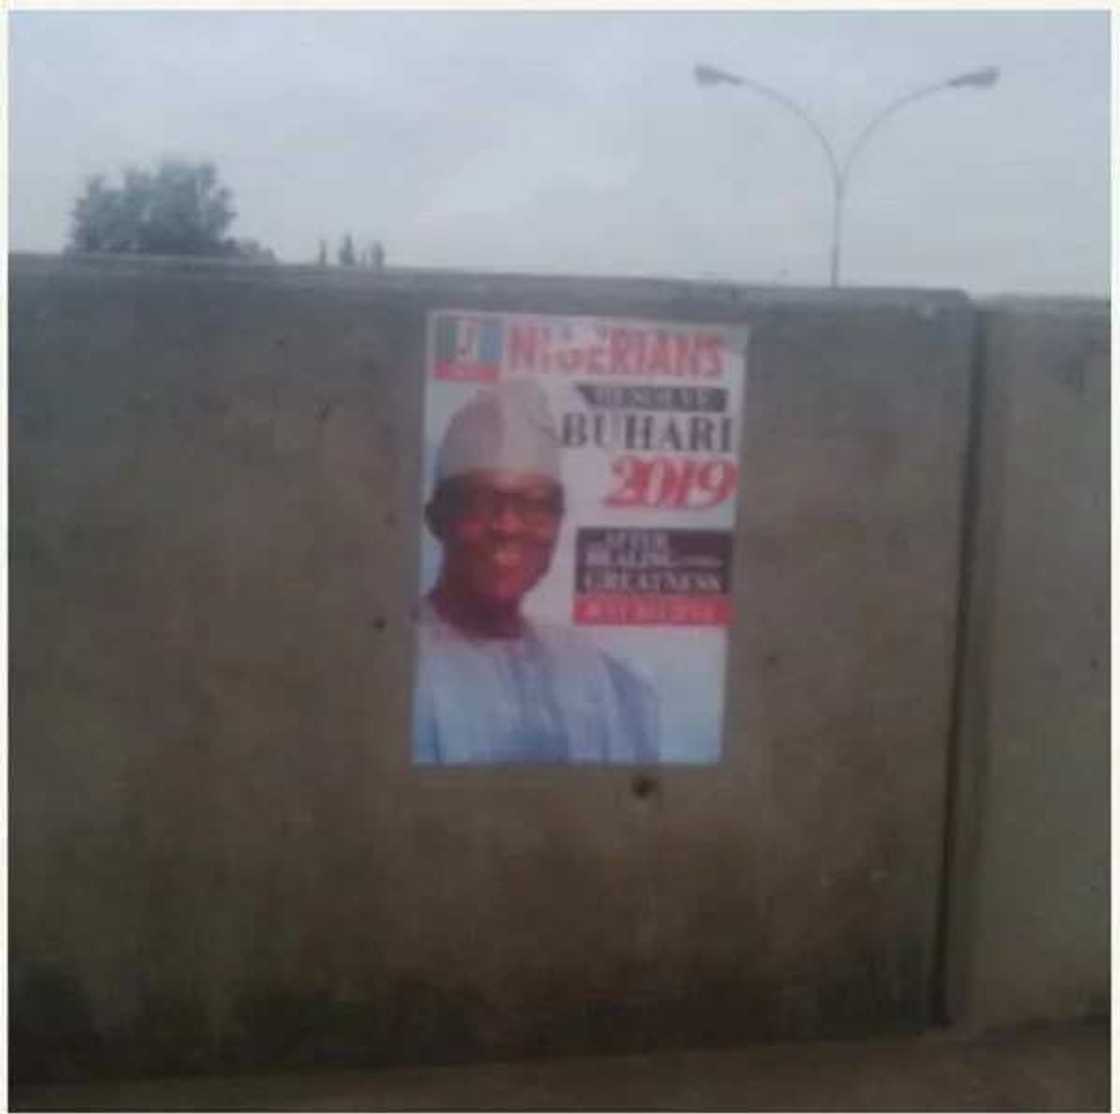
841	169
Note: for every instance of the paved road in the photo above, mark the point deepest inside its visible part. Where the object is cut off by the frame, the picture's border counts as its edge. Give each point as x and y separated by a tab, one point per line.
1060	1068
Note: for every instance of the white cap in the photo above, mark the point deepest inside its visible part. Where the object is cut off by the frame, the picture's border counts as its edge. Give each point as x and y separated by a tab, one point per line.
508	427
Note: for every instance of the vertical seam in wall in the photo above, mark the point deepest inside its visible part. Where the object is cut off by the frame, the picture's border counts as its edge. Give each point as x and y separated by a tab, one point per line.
969	505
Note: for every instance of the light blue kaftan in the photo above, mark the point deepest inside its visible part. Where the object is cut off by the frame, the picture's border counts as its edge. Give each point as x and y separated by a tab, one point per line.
547	696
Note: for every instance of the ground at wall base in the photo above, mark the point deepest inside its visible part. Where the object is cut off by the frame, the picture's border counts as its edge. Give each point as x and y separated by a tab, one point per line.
1041	1068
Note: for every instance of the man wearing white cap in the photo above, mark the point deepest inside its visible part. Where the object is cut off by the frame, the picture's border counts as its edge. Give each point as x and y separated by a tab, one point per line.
493	686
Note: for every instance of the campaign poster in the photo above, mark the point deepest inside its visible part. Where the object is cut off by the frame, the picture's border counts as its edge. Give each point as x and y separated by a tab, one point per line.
579	487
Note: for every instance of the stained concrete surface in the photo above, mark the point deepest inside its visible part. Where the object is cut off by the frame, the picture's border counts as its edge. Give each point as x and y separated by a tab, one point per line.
1056	1068
221	856
1029	929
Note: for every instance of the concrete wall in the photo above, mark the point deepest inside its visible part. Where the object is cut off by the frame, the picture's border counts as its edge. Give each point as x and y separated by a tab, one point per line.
220	854
1029	911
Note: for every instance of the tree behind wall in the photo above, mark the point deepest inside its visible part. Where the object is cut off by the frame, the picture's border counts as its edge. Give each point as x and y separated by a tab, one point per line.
179	209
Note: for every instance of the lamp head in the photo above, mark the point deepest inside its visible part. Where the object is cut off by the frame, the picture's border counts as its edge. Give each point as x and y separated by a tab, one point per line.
976	79
709	75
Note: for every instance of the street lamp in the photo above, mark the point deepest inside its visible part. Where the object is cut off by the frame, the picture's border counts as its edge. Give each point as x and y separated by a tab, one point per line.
841	170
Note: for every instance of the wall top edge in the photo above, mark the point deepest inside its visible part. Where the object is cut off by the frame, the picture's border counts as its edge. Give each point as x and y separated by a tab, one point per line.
432	282
1048	304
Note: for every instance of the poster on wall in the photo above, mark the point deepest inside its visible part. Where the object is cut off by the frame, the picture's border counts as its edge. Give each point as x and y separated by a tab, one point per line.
579	488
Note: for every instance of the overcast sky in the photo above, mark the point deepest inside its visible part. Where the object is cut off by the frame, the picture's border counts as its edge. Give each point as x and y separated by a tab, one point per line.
578	142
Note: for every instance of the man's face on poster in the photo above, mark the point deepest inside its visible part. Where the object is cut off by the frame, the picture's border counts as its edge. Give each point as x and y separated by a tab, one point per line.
498	530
